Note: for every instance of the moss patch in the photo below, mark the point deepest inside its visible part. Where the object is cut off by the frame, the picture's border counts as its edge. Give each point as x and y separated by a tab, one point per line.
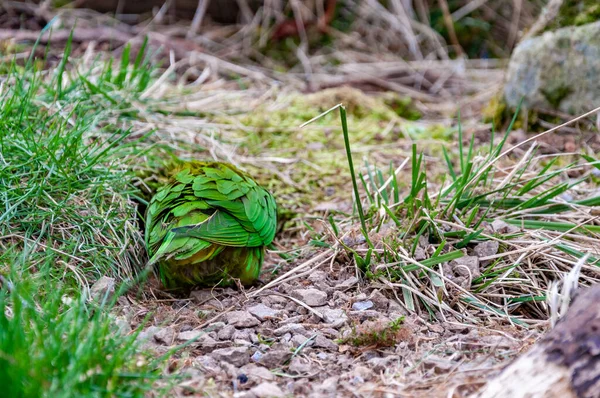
576	13
317	171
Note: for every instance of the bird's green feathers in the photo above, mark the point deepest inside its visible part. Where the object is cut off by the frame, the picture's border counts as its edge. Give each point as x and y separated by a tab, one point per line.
209	225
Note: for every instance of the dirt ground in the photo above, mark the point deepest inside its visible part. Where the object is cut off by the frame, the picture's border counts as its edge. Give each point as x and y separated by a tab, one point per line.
322	334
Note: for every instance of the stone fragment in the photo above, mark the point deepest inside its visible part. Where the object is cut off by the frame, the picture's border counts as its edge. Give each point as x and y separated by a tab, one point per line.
312	297
263	312
165	336
487	248
241	319
190	335
257	373
215	326
466	266
323	342
208	364
362	305
226	333
274	357
300	365
347	284
267	390
147	334
335	317
364	315
380	302
290	328
237	356
297	340
103	289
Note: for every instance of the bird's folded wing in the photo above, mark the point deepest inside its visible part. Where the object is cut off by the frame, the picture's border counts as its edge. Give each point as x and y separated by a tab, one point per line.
221	228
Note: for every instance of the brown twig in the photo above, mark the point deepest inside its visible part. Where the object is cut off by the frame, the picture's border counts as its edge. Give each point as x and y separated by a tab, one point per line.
450	26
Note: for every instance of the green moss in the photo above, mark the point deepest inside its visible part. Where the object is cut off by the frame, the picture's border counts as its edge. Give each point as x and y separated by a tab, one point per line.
495	110
403	107
556	95
576	13
377	334
318	169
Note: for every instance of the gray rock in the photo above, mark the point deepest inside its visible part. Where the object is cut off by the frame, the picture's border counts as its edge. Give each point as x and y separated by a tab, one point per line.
330	333
165	336
318	277
364	314
290	328
557	70
256	372
335	317
297	340
291	307
328	386
263	312
294	319
466	266
241	319
190	335
123	325
420	253
347	284
396	310
311	297
274	357
206	343
274	299
147	334
237	356
340	298
437	364
500	226
267	390
215	326
103	289
300	365
379	300
380	364
359	374
284	288
256	357
226	333
323	342
486	249
208	364
302	310
362	305
286	337
245	335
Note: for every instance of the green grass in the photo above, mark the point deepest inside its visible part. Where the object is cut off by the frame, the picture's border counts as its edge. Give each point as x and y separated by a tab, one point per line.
68	216
528	195
54	344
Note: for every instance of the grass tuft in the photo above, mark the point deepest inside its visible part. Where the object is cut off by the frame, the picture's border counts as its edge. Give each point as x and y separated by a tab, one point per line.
68	217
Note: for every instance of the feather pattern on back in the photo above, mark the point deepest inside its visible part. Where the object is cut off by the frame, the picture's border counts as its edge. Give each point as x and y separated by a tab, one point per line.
209	225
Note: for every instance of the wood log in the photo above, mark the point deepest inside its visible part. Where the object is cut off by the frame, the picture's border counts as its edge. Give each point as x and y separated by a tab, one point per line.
565	363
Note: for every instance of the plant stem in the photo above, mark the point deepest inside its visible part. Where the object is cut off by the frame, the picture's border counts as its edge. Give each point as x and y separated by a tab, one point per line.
351	165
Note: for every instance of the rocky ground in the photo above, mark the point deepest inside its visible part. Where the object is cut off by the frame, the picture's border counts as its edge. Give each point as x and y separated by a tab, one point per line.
325	334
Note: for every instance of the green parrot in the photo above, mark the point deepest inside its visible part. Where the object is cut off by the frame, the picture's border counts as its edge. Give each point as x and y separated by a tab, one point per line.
209	225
